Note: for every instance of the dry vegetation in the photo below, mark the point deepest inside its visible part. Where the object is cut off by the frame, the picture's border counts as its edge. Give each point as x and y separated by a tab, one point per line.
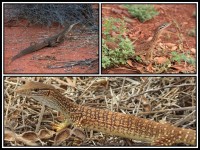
163	99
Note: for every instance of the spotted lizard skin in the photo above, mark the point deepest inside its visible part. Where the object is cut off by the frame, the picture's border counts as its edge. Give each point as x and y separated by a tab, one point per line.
112	123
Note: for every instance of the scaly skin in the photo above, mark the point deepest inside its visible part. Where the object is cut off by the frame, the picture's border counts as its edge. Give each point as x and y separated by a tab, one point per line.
29	50
113	123
49	42
149	46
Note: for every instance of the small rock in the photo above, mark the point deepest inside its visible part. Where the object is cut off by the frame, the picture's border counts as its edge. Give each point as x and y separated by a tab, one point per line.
129	20
170	44
161	60
174	48
193	50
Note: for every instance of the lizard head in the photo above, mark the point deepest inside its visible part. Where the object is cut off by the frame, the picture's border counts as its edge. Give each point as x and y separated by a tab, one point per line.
33	89
43	93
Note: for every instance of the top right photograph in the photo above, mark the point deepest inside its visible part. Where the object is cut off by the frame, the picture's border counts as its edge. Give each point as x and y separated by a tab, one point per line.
149	38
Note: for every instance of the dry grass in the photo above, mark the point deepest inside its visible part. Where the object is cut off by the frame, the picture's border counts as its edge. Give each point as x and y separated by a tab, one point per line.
163	99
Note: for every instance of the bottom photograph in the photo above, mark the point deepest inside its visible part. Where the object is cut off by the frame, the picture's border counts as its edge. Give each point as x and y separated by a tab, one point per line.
99	111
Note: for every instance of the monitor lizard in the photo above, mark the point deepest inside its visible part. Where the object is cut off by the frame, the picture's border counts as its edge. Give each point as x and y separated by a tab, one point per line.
113	123
148	48
49	42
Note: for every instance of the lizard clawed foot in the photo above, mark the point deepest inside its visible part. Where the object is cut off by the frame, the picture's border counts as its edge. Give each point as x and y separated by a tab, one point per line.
60	126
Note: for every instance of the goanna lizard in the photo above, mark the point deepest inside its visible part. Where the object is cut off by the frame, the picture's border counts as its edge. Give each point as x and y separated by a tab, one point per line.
49	42
114	123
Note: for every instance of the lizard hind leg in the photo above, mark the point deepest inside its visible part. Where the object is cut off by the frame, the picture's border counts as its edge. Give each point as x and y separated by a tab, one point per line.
50	43
53	44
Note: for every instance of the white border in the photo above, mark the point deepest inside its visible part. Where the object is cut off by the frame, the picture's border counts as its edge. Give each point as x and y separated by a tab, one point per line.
100	3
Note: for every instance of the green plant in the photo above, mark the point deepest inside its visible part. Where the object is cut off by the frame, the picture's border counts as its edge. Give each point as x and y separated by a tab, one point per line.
143	12
138	58
182	57
115	25
124	48
192	32
194	14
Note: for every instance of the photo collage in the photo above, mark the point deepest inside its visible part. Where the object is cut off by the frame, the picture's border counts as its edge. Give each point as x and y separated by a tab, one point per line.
100	74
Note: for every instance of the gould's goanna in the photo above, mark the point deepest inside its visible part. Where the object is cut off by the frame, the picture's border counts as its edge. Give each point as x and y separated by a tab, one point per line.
113	123
49	42
148	48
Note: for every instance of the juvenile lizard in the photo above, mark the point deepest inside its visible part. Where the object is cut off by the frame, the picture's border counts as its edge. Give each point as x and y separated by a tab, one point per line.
113	123
49	42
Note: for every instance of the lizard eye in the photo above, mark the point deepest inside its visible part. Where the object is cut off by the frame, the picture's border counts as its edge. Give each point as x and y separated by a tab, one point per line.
36	90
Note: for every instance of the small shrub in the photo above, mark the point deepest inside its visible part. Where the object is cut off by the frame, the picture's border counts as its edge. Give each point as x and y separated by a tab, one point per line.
142	12
124	48
194	14
192	32
182	57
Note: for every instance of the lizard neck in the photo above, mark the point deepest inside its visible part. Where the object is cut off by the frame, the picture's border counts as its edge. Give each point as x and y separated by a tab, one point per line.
158	32
155	37
67	29
60	102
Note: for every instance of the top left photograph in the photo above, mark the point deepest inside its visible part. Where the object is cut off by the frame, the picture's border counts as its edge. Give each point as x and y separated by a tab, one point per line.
51	38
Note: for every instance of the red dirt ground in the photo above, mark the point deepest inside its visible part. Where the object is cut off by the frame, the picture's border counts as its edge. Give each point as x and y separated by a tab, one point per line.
182	14
79	45
79	48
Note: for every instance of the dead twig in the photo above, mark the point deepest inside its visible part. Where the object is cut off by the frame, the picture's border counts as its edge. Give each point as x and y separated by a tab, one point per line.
166	110
158	89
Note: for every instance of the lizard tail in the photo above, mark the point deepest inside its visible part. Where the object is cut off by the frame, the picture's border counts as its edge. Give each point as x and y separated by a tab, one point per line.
15	57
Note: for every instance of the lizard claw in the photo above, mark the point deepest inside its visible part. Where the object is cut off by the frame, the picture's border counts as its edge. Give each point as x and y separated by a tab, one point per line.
60	126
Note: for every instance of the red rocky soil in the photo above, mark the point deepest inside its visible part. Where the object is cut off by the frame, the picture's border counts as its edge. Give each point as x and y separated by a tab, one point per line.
174	38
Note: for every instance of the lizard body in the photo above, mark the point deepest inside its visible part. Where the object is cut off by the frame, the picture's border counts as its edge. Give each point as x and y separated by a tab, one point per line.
29	50
114	123
49	42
